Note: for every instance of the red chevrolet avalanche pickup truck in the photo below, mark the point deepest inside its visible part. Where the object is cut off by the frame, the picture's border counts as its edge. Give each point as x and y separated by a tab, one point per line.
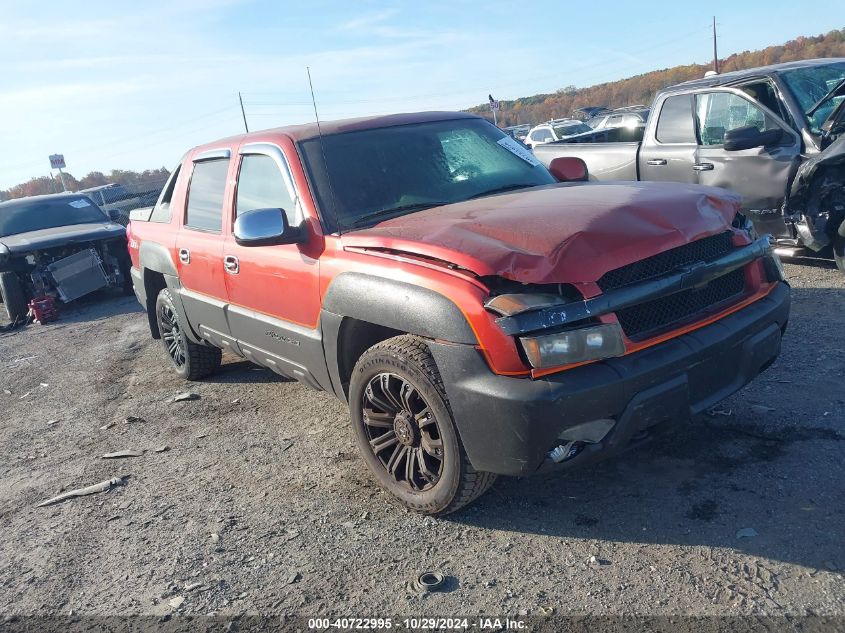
478	316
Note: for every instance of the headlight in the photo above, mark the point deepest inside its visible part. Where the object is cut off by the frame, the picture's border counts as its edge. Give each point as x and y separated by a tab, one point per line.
573	346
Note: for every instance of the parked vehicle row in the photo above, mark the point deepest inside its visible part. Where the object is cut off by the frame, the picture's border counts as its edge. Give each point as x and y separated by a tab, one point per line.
774	135
555	130
479	313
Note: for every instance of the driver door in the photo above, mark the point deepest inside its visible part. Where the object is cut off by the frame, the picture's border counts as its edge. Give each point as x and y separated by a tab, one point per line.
273	291
761	175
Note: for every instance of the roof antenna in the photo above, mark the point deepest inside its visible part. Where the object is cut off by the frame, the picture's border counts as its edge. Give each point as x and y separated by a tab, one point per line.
323	150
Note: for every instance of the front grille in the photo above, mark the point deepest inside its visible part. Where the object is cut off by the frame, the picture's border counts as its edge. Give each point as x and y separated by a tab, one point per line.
642	320
707	249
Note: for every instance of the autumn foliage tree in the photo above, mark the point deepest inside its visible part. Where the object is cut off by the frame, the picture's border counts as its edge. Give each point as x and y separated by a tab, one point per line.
43	185
642	88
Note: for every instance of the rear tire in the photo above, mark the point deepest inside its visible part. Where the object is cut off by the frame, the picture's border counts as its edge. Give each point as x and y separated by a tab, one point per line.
839	253
14	298
190	360
125	265
403	426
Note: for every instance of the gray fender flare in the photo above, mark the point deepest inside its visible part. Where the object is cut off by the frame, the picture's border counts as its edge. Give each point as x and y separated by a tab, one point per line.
398	305
388	303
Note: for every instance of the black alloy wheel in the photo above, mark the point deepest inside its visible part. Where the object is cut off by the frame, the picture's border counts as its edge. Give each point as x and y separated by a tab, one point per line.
191	360
168	325
402	431
405	431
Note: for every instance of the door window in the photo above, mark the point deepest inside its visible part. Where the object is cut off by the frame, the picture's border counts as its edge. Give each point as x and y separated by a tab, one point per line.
261	186
675	123
720	112
764	92
205	195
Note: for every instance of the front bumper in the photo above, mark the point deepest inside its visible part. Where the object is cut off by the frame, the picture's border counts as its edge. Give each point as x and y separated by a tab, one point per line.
508	425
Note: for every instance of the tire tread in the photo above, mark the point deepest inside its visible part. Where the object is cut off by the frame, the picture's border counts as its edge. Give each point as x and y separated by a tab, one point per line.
14	299
472	483
201	360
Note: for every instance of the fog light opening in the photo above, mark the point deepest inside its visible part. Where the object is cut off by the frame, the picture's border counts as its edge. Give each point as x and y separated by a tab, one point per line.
565	452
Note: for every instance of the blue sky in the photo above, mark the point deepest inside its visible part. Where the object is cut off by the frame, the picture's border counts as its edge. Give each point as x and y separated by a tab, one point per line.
132	85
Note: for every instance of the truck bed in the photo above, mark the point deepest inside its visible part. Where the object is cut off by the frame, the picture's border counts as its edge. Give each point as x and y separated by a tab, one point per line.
605	161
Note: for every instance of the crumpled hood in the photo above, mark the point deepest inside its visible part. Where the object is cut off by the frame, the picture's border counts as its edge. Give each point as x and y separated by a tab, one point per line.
62	235
568	233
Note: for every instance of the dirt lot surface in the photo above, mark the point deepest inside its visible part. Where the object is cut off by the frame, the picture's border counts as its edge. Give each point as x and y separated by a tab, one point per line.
260	504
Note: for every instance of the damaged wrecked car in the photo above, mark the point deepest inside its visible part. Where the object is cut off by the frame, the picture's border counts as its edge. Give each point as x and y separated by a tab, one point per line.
62	246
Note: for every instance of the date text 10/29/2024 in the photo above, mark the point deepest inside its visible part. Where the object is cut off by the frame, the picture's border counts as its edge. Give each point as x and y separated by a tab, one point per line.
418	624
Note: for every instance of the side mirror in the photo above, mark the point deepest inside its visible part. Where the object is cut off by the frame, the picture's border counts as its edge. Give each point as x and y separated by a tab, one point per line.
749	136
267	227
568	169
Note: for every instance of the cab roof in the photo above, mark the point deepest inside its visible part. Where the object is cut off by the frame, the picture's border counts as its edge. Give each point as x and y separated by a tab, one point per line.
47	196
724	79
308	131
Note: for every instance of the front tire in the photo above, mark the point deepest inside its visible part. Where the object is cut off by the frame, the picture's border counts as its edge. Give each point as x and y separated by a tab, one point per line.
405	432
190	360
14	298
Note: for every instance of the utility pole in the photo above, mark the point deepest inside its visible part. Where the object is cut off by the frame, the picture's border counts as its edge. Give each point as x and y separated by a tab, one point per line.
243	113
715	53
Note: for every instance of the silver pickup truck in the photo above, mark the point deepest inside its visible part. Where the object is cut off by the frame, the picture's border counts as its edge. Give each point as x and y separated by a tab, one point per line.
774	135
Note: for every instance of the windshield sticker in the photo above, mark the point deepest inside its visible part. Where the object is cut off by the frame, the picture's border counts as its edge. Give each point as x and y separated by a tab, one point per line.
517	148
80	204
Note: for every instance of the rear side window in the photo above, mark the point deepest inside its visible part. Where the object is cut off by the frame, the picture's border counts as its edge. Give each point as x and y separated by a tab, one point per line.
261	186
161	211
675	124
205	195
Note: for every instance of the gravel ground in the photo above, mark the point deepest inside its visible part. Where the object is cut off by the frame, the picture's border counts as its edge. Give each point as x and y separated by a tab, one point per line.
260	505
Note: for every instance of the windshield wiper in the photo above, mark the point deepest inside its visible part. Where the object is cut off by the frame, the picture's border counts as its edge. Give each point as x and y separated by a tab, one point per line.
490	192
818	104
394	211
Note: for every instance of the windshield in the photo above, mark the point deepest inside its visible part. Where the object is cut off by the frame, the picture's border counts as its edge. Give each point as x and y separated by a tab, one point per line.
808	85
385	172
562	131
22	216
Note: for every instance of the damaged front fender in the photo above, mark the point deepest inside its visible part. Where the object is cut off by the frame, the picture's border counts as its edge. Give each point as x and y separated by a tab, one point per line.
816	202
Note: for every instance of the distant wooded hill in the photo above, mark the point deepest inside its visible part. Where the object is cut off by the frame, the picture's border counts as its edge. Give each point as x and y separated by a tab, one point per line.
642	88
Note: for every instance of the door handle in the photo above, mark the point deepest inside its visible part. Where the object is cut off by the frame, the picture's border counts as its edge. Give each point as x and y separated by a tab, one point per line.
231	264
703	166
656	161
184	256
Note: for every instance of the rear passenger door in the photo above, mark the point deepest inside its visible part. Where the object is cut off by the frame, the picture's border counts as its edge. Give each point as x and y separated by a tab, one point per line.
199	246
669	148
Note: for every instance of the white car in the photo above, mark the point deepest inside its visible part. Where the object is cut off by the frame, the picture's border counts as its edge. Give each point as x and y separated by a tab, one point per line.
630	117
555	130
